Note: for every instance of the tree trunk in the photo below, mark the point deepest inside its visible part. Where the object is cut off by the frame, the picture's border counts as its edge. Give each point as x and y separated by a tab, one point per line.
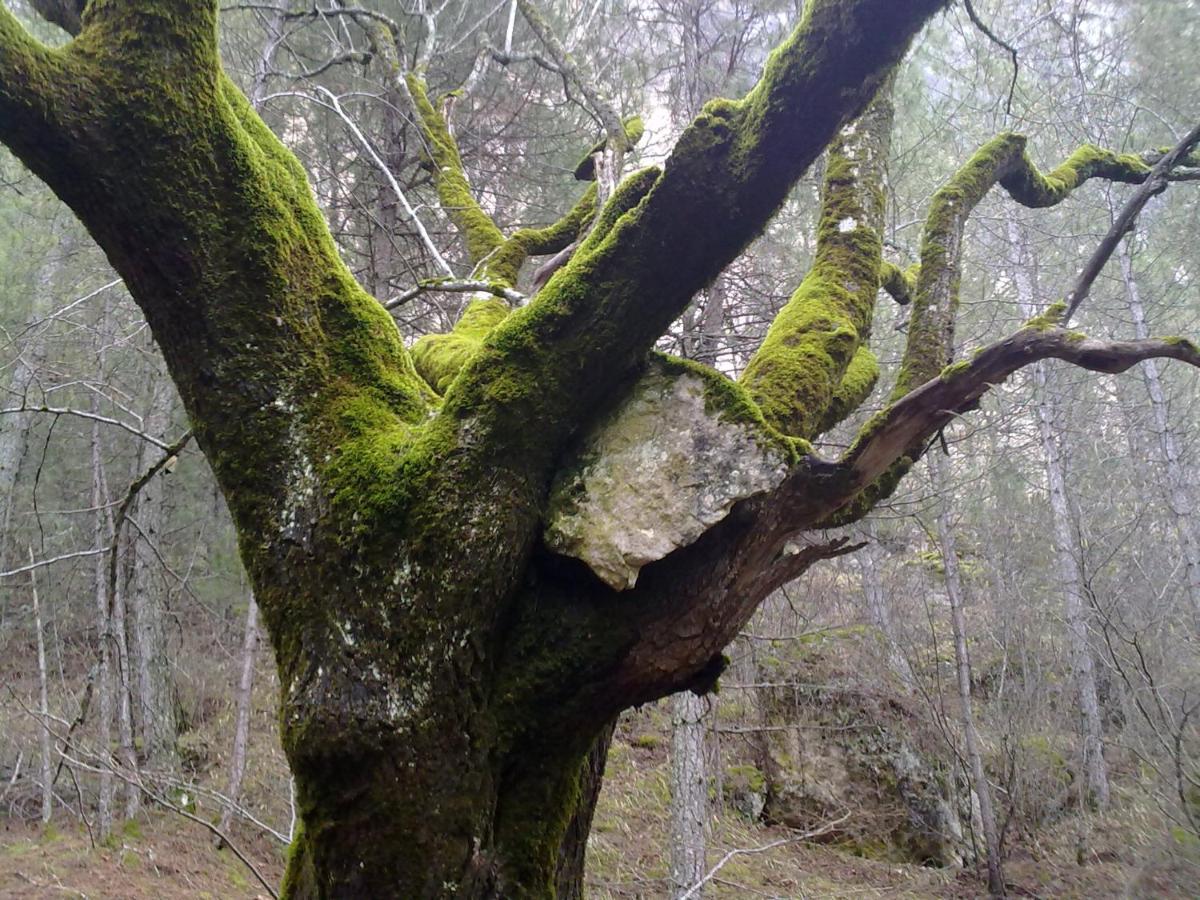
878	607
1070	578
955	594
689	792
102	531
1177	487
572	856
241	731
153	684
43	700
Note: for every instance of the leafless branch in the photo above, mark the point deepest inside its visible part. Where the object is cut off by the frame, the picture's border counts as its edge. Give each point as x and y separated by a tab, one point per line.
1154	184
78	413
746	851
456	287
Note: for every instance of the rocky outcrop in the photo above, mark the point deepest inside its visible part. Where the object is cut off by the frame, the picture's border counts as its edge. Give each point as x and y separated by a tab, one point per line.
834	747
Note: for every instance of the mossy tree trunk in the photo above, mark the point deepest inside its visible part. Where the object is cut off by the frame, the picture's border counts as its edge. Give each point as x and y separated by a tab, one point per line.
444	676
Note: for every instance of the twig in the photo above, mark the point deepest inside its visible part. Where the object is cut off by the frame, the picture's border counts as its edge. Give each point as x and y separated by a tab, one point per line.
745	851
992	36
47	562
64	411
458	287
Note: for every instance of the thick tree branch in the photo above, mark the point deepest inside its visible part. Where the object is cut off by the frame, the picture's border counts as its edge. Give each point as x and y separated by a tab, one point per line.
27	95
550	364
899	433
808	350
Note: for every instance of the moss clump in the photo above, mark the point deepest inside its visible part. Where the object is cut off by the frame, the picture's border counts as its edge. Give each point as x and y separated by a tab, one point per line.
809	372
440	357
634	129
1048	320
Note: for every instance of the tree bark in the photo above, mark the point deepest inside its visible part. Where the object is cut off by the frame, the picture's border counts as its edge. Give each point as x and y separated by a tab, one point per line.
689	793
153	683
980	785
43	700
241	730
102	532
1075	606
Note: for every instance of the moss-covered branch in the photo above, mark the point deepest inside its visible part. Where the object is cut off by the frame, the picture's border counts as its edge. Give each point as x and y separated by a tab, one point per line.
504	264
545	369
28	73
477	228
808	351
1004	161
898	433
900	283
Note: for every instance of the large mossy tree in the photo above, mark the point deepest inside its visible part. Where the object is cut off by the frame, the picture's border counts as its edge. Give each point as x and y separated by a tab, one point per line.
448	680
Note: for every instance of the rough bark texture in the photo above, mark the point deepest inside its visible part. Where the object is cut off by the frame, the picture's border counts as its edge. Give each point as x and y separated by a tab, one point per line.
689	793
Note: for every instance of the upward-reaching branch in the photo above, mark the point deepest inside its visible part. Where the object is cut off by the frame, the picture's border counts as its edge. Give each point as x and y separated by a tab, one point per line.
550	364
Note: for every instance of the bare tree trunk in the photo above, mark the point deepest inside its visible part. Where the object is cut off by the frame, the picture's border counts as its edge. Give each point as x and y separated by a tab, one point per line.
878	607
104	686
1070	577
44	700
1182	510
14	427
689	792
127	753
153	683
954	593
242	727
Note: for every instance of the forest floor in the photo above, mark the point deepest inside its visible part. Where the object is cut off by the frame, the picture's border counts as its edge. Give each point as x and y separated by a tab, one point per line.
164	856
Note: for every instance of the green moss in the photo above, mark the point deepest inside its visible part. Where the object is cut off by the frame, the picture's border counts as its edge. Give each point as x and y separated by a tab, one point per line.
440	357
505	262
1048	320
809	372
954	369
450	177
634	129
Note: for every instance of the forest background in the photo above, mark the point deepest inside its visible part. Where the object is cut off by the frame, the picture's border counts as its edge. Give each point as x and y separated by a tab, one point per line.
1065	488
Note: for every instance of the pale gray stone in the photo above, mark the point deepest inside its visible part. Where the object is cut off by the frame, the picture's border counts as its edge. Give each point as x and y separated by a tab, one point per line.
654	475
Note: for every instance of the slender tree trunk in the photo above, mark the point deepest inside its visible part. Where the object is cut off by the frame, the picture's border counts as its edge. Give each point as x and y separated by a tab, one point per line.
126	750
1070	577
102	532
153	684
237	766
878	607
1179	500
14	427
955	594
689	792
43	700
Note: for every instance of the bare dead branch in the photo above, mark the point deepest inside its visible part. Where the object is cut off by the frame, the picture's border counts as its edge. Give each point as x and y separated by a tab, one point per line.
452	286
1154	184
